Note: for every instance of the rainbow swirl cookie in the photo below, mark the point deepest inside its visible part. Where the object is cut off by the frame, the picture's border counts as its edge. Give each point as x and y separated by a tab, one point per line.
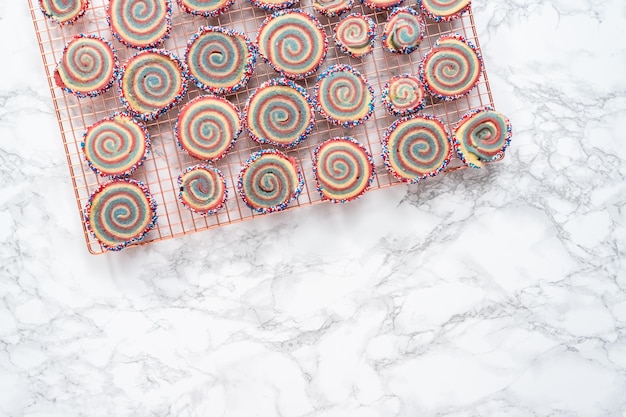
443	10
63	12
343	96
152	82
293	43
202	189
482	135
115	146
403	95
354	35
88	66
279	112
272	5
220	60
380	5
331	8
452	68
269	181
140	24
207	127
205	8
120	212
404	31
416	147
343	169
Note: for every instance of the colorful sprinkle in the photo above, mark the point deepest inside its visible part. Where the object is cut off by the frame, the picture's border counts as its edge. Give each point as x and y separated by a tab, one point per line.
269	181
279	112
343	169
152	82
452	68
331	8
404	31
293	43
354	35
444	10
416	147
205	8
88	66
273	5
115	146
120	212
140	24
64	12
482	135
202	189
404	94
220	60
380	5
344	97
207	127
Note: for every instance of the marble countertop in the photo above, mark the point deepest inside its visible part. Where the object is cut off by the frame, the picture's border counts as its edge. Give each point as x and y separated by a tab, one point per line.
493	292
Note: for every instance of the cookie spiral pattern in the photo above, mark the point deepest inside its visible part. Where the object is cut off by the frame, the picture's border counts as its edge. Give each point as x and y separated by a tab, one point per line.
293	43
120	212
452	68
207	127
63	12
88	66
202	189
444	10
343	169
152	82
380	5
354	35
416	147
331	8
343	96
404	31
279	112
220	60
482	135
403	95
115	146
205	8
269	181
140	24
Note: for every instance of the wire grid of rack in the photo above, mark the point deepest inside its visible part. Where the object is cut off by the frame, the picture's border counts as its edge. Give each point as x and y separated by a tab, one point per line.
166	160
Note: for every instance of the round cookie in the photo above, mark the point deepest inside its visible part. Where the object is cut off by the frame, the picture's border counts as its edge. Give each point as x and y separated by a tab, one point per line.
293	43
269	181
120	212
354	35
279	112
273	5
151	83
202	189
331	8
404	94
444	10
220	60
140	24
63	12
452	68
416	147
404	31
115	146
343	169
343	96
207	127
482	135
380	5
88	66
205	8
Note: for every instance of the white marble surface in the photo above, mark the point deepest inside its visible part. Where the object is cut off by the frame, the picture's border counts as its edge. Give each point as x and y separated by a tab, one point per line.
500	292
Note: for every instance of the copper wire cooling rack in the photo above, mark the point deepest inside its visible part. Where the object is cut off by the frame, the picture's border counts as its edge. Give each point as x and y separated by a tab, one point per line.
166	160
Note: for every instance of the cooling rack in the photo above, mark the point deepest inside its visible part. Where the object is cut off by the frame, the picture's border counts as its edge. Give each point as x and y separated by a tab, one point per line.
166	161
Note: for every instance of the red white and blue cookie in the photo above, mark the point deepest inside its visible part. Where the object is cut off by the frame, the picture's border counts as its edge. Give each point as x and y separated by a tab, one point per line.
354	35
404	31
444	10
404	94
202	189
331	8
64	12
140	24
205	8
482	135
